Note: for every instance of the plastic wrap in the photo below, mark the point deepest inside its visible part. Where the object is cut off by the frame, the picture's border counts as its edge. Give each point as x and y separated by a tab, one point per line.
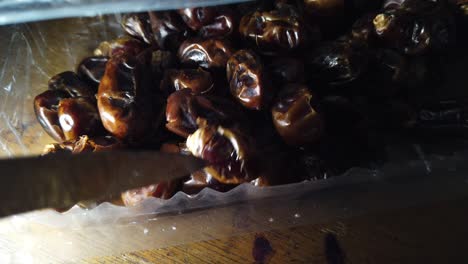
16	11
32	53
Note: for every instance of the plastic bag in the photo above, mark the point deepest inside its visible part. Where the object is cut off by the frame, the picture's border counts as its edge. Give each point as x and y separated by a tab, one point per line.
32	53
17	11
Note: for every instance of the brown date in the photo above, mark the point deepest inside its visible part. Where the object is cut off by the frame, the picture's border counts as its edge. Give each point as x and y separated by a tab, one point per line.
124	97
273	32
163	190
197	17
61	148
362	31
184	110
286	70
228	152
168	29
198	81
92	69
295	116
124	44
162	60
138	25
210	22
416	27
46	109
335	63
71	83
77	117
247	80
324	7
84	144
211	53
96	144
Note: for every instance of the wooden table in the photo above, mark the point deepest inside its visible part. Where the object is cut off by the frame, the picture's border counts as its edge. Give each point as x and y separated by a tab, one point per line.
433	233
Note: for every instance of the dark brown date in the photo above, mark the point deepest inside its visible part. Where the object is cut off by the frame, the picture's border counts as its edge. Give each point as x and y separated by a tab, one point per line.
247	80
96	144
71	83
388	71
210	22
138	25
228	152
286	70
84	144
124	44
198	81
168	29
163	190
91	69
197	17
211	53
416	27
161	61
295	116
62	148
362	31
335	63
124	97
46	109
77	117
184	111
324	7
273	32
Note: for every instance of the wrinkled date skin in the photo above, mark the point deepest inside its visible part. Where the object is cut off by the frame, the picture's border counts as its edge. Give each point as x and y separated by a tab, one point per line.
227	152
163	190
96	144
210	22
416	29
46	109
210	53
286	70
273	32
184	111
197	17
247	80
124	98
125	44
168	29
335	63
295	116
84	144
71	83
198	81
92	69
138	25
78	116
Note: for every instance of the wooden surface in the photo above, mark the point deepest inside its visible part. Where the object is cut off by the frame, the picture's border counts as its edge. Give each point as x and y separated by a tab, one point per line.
434	233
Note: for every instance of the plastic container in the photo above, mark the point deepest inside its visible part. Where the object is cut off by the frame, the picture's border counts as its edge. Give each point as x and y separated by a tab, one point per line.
32	53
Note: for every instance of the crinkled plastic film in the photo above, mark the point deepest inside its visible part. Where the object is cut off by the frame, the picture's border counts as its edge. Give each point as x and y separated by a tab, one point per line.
16	11
32	53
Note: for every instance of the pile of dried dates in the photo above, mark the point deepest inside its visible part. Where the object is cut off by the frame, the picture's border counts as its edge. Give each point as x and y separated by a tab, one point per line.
267	92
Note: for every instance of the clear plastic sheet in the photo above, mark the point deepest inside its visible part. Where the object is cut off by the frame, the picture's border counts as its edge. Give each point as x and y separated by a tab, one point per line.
16	11
32	53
